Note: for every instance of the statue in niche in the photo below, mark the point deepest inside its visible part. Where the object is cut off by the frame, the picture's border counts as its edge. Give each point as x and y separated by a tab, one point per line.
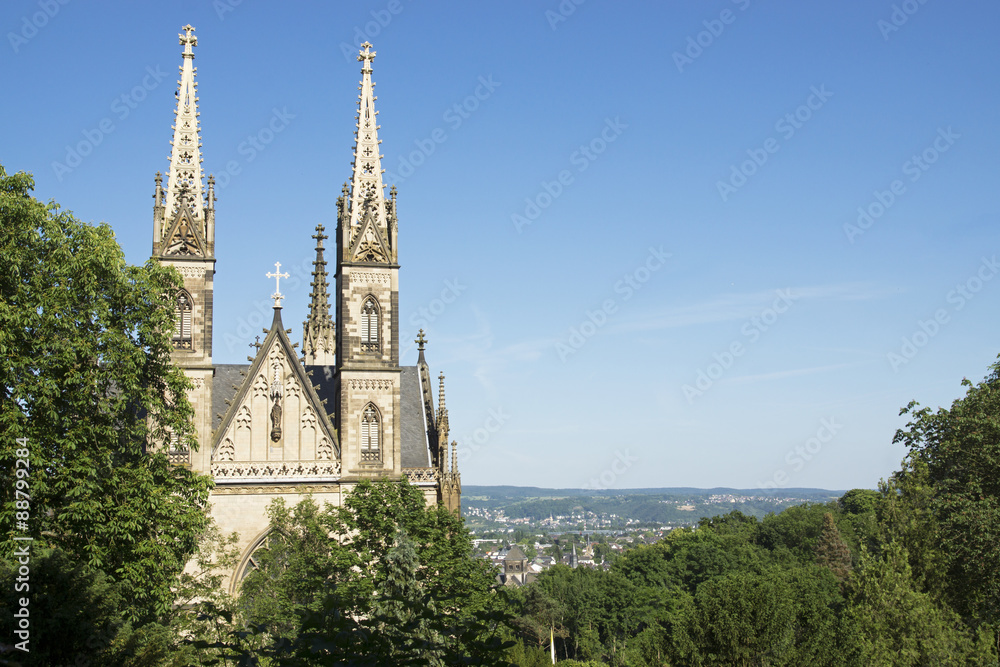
276	393
276	421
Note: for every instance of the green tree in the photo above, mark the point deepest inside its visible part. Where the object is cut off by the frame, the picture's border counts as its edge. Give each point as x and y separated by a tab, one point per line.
831	550
87	383
956	452
382	580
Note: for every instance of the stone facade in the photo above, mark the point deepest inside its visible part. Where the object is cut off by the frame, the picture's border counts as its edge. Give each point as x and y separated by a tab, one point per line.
287	427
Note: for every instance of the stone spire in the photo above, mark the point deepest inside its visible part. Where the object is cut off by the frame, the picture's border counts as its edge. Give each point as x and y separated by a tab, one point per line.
366	181
184	178
442	414
318	331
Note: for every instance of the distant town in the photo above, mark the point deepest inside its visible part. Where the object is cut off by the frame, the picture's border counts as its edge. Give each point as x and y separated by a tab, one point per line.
525	531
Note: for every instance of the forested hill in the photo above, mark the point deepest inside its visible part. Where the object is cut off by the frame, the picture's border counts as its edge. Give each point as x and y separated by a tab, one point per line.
490	506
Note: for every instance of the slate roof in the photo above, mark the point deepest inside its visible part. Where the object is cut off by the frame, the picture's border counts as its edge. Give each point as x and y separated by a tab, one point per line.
226	375
416	453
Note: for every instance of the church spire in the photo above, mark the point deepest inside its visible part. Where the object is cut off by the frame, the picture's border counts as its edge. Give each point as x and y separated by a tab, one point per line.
184	186
366	181
318	330
442	420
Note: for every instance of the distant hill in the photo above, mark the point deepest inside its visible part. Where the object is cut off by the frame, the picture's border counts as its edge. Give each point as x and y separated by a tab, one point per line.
538	492
499	507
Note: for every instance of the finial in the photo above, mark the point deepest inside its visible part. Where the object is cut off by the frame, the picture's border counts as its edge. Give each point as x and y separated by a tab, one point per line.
454	456
421	340
441	393
188	40
366	56
320	236
277	296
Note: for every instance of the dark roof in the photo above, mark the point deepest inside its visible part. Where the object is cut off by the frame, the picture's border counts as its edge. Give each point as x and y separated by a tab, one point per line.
322	378
413	440
223	389
515	553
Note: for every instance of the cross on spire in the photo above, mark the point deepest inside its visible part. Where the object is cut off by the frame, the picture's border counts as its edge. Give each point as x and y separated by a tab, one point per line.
421	340
188	40
277	296
366	56
256	344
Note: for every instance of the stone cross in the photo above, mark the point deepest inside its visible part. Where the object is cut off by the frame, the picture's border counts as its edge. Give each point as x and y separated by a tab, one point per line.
277	296
421	340
367	55
188	39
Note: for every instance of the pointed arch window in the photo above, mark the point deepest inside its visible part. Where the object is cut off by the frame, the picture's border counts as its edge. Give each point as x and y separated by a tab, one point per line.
371	434
370	325
183	337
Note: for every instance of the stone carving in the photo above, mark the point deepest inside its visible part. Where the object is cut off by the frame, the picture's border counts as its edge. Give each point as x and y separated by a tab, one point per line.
377	385
276	394
324	452
226	451
308	418
190	271
421	475
243	418
233	471
370	277
260	386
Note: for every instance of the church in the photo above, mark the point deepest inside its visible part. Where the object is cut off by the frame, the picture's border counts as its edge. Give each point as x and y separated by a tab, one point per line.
341	410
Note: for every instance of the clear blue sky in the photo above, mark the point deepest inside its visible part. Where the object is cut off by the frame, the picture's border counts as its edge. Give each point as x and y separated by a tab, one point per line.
739	138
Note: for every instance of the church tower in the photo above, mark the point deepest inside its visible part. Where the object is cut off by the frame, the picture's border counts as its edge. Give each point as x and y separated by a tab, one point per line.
184	238
367	409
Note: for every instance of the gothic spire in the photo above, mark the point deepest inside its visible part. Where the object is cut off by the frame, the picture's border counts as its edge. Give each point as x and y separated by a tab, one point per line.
184	178
442	420
318	329
366	181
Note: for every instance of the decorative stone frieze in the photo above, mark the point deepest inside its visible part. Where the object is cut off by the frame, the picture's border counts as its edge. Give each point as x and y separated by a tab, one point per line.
230	472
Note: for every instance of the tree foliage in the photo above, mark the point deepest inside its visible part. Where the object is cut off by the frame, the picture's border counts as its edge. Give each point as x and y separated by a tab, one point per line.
86	378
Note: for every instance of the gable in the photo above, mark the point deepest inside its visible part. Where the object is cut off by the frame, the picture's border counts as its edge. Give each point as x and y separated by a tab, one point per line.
184	236
369	243
276	426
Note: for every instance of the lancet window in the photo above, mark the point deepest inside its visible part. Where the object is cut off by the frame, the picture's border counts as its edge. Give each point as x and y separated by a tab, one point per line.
370	325
183	338
371	434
